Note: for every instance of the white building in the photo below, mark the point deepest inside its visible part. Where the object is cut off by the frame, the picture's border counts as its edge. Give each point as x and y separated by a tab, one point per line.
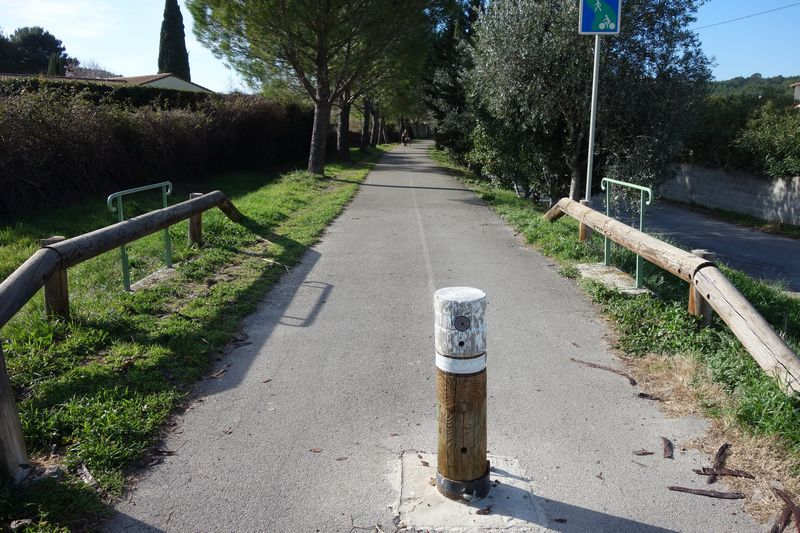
161	81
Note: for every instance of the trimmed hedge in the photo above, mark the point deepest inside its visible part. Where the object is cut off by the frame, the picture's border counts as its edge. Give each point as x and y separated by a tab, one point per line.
55	147
97	93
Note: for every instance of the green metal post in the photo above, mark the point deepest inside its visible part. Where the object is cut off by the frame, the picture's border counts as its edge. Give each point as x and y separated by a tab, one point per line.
641	228
606	242
126	268
167	244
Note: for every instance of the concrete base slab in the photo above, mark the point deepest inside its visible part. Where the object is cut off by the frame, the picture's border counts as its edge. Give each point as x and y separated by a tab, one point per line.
611	277
159	276
508	507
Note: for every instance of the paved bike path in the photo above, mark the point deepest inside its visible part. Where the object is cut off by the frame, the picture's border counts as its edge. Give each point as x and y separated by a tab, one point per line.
341	362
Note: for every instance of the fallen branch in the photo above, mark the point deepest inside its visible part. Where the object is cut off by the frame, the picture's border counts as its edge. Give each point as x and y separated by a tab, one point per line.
642	452
608	368
706	471
719	461
783	495
669	449
782	521
646	396
709	493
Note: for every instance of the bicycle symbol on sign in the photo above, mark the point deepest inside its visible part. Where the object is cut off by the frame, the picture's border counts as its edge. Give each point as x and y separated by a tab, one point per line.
607	24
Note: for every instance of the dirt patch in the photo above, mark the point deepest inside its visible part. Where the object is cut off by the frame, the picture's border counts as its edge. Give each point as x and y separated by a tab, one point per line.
685	388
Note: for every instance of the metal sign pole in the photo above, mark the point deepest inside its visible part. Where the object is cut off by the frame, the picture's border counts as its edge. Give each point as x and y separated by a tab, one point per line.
592	120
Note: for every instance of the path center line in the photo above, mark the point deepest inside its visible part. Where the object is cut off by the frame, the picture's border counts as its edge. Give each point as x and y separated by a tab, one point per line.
423	239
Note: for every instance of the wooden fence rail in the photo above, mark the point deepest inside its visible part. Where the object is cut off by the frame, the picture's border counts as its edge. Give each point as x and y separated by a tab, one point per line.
54	259
752	330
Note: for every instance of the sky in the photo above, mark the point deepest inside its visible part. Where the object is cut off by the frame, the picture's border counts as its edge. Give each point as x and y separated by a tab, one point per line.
767	44
122	36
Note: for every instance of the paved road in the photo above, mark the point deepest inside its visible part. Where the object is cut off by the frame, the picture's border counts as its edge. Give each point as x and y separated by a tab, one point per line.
762	255
346	339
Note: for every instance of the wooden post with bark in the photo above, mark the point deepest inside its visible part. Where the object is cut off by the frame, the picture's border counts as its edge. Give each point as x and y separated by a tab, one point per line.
584	231
460	343
12	445
56	288
698	306
196	223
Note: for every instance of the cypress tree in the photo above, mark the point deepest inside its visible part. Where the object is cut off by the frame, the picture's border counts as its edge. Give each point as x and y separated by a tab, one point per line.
55	65
172	55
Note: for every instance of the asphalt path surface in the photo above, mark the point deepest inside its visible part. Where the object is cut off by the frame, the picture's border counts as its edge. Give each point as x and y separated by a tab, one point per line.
305	429
761	255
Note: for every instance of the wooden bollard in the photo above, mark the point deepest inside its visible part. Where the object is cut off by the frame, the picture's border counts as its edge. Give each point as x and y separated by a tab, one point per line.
12	445
196	224
460	342
584	231
698	306
56	288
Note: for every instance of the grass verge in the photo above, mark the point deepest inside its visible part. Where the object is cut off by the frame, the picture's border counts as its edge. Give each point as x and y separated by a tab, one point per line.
719	377
93	392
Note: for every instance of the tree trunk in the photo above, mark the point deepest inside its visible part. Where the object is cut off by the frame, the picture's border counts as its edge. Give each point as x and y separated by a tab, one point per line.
365	126
319	137
576	167
343	132
376	131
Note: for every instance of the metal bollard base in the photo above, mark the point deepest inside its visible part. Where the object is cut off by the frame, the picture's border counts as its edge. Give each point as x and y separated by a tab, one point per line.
464	490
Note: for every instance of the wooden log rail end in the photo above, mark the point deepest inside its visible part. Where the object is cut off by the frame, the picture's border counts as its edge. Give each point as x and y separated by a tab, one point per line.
25	281
771	353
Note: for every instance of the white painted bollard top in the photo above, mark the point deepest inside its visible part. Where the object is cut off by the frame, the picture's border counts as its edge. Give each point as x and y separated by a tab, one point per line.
460	329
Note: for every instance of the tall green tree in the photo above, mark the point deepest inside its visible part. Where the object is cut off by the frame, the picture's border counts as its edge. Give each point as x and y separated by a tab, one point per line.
56	65
531	86
29	49
326	45
449	63
172	54
395	83
8	55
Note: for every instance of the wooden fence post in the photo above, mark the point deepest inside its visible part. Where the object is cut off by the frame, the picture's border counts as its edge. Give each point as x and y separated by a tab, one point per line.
460	342
584	231
56	288
698	306
12	445
196	223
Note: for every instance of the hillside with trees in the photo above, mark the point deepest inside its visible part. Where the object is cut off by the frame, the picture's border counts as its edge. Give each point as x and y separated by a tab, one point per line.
748	124
776	88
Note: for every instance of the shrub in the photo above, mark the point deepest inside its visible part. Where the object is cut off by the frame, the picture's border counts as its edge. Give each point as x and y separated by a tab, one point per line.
105	93
720	121
772	136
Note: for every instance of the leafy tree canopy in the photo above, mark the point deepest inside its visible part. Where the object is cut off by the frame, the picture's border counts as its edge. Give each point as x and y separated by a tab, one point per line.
326	46
532	81
29	51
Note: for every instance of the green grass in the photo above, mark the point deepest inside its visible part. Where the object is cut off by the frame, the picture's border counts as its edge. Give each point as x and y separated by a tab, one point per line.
661	324
95	390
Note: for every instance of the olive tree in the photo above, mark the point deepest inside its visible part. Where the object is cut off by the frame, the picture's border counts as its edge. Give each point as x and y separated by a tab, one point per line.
532	81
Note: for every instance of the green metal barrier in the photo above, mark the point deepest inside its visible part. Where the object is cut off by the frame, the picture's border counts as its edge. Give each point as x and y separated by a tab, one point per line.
166	189
607	243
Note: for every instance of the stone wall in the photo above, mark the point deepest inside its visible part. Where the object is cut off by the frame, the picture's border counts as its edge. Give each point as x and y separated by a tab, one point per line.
775	200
